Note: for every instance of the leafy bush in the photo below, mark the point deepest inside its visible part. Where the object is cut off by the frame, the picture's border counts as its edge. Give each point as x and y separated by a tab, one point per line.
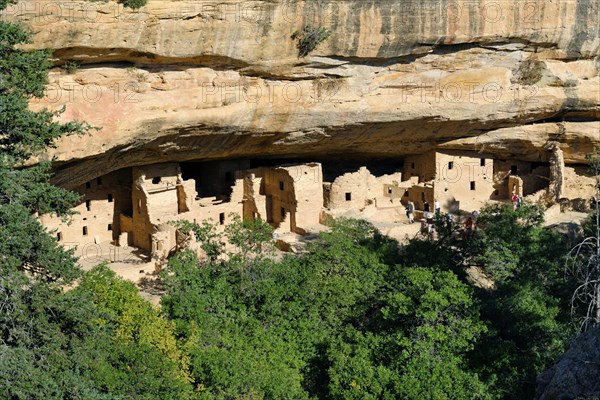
71	66
134	4
309	38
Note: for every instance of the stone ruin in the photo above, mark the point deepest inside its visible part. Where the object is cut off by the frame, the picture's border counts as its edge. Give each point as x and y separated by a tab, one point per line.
135	206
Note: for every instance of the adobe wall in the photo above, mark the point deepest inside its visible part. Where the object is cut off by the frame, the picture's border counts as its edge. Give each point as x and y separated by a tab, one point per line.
421	193
254	200
535	176
464	180
308	191
215	179
350	190
103	199
280	191
423	166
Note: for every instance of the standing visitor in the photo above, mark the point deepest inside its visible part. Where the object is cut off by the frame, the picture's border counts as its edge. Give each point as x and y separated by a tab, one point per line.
429	218
514	200
437	207
410	212
469	227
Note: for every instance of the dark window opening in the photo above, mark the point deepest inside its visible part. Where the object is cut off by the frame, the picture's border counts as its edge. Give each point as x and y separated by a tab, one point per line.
482	162
472	185
496	192
282	212
85	231
389	190
513	169
412	165
281	186
88	205
59	236
535	165
348	196
110	227
450	164
156	180
88	185
99	181
110	198
221	218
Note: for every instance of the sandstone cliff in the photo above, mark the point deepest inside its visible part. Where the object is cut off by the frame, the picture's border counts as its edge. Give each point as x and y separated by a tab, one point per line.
182	80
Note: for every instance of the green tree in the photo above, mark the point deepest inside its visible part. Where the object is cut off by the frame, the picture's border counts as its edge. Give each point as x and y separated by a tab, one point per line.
56	344
583	262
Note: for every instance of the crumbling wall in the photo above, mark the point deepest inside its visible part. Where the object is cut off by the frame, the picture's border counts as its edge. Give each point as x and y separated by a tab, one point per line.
557	174
423	166
102	200
350	191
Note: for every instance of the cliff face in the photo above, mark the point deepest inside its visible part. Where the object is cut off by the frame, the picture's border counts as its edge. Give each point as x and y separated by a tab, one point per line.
179	80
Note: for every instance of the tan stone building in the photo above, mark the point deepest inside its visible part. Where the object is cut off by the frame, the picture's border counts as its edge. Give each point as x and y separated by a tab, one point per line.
135	206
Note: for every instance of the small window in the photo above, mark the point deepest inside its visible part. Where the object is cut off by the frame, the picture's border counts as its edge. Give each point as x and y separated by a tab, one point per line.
281	186
88	205
348	196
109	227
221	218
412	165
59	236
85	231
99	181
282	212
389	190
88	185
495	192
513	169
472	185
156	180
450	164
110	198
482	162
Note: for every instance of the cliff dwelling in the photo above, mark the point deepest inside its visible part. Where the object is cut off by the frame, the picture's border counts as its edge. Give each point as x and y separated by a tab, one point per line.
135	206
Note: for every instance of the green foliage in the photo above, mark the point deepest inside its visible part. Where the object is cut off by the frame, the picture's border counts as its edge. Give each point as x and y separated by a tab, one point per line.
340	321
56	344
23	132
251	237
134	4
143	332
71	66
309	38
206	234
526	318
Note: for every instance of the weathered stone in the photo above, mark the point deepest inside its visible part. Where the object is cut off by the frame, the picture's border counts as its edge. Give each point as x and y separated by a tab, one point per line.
575	375
223	80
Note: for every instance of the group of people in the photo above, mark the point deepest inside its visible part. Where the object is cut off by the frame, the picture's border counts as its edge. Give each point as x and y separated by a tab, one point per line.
429	217
410	211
